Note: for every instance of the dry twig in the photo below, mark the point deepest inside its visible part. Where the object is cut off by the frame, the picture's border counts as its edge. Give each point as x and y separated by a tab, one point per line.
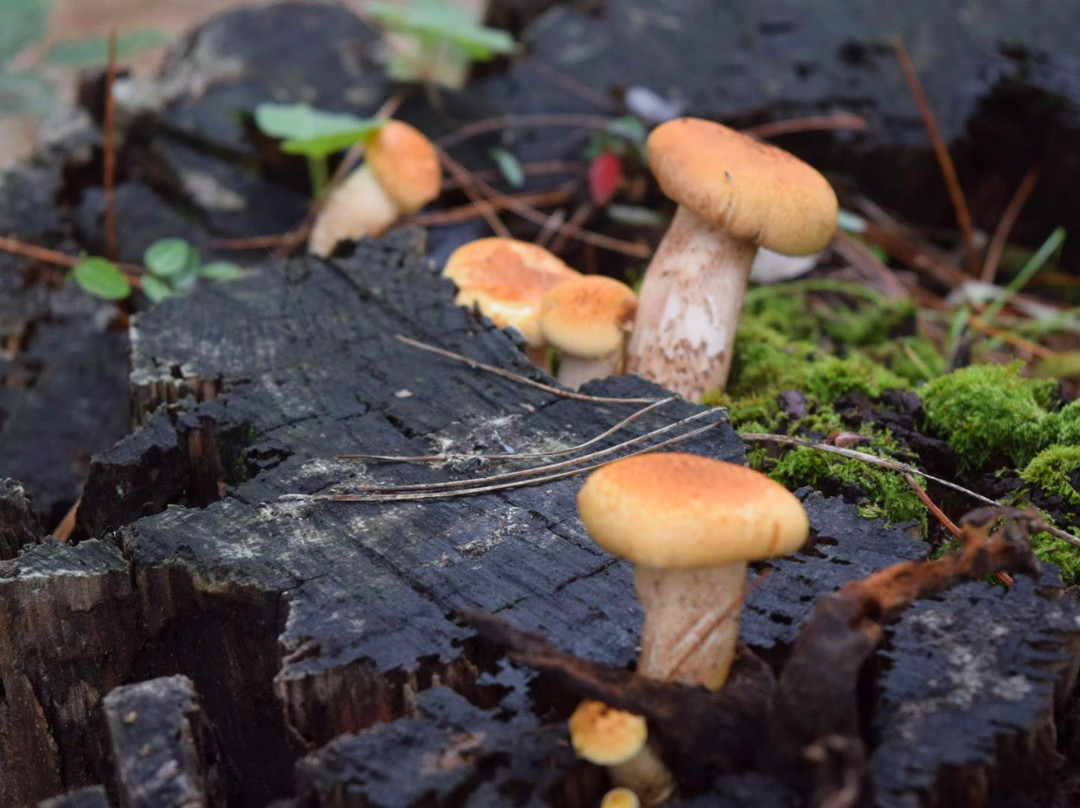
941	152
1005	226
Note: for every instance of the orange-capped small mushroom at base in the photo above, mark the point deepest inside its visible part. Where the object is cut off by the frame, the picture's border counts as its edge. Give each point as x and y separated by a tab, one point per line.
619	741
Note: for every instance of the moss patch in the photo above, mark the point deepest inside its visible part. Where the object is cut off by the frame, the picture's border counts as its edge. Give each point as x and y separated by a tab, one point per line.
1051	471
887	494
988	411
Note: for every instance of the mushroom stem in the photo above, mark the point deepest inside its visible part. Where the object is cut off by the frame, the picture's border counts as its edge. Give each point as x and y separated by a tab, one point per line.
359	207
646	775
538	355
691	622
689	307
574	371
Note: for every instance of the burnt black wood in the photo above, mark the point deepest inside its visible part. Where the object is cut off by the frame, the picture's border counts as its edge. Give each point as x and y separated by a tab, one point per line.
163	749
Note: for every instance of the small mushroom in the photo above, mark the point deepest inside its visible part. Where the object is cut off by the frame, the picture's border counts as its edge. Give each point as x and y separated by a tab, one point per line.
735	194
587	320
400	175
507	279
620	741
620	798
689	524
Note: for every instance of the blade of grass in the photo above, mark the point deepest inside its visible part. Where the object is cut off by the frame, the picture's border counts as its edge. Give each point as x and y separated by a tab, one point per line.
1026	273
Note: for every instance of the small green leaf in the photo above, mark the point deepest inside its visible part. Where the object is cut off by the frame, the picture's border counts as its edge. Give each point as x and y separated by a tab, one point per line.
171	257
155	288
22	23
221	271
102	279
311	132
95	50
439	19
629	128
509	165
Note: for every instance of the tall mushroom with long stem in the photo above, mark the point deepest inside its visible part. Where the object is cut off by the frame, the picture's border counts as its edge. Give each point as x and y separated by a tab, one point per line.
735	194
507	280
689	524
587	320
400	175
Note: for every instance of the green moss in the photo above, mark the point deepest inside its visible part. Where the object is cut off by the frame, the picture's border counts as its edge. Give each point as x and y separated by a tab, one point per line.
830	378
915	359
1066	424
985	411
1059	552
1051	469
888	496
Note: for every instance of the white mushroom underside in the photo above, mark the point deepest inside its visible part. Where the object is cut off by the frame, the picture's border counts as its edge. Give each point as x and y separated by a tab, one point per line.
689	307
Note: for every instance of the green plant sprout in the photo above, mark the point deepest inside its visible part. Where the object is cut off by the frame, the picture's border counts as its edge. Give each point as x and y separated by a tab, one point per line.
173	268
313	134
437	41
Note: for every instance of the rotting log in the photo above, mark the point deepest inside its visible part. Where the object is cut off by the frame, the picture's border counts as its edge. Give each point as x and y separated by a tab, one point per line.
300	619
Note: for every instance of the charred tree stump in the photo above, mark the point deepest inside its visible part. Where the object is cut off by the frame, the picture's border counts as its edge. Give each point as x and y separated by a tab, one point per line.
164	751
301	619
19	524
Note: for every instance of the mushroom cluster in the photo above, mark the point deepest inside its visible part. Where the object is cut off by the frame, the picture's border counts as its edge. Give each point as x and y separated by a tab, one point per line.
506	280
735	194
400	175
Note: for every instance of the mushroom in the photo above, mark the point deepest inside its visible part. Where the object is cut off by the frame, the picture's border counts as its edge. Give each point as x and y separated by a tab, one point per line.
735	194
587	320
689	524
620	741
507	279
400	175
620	798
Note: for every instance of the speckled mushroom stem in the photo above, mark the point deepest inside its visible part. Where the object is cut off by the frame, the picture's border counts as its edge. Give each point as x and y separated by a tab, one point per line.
691	622
574	371
689	307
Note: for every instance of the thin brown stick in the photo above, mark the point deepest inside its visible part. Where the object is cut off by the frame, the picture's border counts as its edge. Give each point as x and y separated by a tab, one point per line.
252	243
1005	225
32	251
384	488
471	186
931	506
1024	344
894	465
572	85
514	455
67	524
514	377
948	523
537	169
540	199
811	123
551	227
468	492
109	161
577	219
541	119
536	217
941	152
